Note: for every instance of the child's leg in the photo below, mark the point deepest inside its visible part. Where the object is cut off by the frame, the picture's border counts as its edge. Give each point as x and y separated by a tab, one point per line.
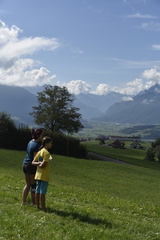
43	202
37	195
43	191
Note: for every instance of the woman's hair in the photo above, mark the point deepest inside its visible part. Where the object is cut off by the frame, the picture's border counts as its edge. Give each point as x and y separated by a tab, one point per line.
44	141
36	133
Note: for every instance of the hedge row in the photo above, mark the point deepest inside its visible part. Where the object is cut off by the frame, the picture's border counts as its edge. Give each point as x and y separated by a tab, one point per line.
18	138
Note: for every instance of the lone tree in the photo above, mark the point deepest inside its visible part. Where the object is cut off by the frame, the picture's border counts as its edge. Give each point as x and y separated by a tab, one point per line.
55	111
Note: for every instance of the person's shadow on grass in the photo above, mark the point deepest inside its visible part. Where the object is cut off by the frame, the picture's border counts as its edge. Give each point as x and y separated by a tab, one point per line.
82	218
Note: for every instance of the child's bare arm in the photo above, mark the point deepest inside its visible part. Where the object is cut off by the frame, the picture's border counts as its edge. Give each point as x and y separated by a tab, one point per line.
35	163
42	164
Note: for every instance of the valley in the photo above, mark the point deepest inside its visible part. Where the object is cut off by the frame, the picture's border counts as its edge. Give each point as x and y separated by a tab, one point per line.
94	129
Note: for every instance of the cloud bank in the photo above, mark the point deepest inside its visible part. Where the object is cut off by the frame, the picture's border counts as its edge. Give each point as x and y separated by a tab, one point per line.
149	78
16	68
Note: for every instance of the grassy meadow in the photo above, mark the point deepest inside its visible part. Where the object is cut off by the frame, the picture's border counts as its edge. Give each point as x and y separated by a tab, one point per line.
132	156
91	200
94	129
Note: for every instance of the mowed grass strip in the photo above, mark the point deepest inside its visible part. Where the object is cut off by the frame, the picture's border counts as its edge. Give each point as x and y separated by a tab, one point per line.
86	199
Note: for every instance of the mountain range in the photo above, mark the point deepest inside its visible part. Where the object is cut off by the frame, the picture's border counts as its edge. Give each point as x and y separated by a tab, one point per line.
93	106
143	109
17	102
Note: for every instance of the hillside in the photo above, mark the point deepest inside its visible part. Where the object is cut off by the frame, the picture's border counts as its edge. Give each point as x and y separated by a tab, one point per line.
86	200
144	109
18	102
92	105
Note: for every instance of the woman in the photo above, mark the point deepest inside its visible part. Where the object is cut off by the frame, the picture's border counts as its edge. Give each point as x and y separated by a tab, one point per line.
28	169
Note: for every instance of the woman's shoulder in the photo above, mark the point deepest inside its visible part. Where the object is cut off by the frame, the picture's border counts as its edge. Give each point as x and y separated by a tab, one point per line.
33	143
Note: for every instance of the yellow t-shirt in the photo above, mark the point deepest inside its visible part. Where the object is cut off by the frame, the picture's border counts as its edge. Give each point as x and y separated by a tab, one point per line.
43	173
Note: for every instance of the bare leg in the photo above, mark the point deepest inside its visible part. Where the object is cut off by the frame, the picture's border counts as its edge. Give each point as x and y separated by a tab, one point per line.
33	198
26	189
37	195
43	202
29	181
32	181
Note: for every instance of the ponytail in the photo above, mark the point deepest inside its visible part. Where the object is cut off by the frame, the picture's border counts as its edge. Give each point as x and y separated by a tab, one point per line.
36	133
44	141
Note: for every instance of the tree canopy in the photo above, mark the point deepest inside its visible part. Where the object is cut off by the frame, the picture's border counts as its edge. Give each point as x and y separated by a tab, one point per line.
153	153
6	123
55	111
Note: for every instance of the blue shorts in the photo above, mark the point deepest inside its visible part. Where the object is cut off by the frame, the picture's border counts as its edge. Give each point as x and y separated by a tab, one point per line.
41	186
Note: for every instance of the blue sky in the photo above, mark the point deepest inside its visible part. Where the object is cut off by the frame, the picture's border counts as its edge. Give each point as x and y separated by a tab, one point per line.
86	45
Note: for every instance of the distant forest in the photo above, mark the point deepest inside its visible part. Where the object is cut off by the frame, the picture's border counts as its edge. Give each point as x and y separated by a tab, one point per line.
147	131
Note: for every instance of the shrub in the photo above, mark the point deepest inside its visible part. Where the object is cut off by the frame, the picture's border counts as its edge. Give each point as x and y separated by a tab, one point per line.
150	154
153	153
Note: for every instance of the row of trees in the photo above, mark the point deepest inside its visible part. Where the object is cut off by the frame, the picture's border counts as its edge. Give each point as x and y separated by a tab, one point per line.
58	117
17	138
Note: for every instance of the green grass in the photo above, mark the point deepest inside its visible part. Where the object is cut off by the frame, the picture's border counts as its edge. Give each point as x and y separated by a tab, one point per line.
94	129
87	200
133	156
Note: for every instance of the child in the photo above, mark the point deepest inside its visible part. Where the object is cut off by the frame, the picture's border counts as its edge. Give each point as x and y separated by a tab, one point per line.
41	160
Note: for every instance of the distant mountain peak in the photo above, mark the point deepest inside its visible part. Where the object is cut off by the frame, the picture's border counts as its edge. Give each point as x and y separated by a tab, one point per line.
144	109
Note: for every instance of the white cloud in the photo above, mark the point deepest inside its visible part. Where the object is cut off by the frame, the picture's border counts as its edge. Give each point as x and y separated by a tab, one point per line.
142	16
15	70
149	78
125	99
129	64
7	34
156	47
27	46
152	74
133	87
102	89
151	26
22	73
78	86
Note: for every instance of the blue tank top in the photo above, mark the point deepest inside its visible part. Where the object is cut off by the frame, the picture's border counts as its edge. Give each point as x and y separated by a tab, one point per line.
32	147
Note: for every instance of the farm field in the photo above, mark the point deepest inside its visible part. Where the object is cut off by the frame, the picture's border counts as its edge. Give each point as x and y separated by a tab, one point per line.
86	199
93	129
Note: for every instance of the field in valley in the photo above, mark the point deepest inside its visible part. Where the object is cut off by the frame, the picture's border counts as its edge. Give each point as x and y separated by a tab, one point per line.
93	129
